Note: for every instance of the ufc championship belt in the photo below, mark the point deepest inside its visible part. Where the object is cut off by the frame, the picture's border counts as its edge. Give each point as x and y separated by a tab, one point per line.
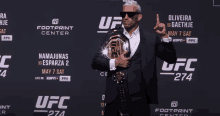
117	44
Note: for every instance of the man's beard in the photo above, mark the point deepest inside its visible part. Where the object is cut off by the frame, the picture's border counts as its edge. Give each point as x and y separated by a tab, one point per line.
129	27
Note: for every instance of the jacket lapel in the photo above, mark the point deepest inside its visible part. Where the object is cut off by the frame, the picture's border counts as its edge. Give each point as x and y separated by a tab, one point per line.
143	46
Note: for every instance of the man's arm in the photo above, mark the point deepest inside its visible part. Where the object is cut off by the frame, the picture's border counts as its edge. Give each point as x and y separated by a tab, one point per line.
99	61
102	63
165	50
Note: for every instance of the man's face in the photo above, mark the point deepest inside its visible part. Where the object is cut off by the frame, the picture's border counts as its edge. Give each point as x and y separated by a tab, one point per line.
129	22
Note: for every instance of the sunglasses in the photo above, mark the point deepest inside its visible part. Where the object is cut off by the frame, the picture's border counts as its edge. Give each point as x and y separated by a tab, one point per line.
130	14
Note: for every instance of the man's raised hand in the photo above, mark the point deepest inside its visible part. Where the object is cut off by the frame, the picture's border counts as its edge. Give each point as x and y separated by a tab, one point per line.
160	28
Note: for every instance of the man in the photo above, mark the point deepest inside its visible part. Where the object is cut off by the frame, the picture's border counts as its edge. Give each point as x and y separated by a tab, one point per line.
132	98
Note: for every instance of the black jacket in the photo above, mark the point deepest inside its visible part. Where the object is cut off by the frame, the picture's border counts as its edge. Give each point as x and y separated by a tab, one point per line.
152	46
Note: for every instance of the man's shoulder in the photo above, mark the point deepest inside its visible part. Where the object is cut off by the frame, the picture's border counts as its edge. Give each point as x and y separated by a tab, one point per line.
147	32
150	37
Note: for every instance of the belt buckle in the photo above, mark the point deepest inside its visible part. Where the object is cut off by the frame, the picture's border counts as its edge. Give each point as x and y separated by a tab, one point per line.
119	77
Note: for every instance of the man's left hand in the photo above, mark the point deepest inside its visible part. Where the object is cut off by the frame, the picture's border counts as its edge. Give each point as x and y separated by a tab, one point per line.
160	28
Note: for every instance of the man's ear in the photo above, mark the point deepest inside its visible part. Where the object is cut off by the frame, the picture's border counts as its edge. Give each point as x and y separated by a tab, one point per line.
140	17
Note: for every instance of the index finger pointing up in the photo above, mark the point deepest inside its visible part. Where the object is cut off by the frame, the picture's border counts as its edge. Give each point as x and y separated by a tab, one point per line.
158	21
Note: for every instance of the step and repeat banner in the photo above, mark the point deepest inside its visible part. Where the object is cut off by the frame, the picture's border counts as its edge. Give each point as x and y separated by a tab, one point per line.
46	51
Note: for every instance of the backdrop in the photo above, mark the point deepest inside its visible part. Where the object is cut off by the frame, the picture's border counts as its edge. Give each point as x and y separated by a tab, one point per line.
46	50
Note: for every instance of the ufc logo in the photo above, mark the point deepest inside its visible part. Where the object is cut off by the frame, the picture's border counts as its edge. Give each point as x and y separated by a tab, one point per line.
53	100
169	67
3	58
109	22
